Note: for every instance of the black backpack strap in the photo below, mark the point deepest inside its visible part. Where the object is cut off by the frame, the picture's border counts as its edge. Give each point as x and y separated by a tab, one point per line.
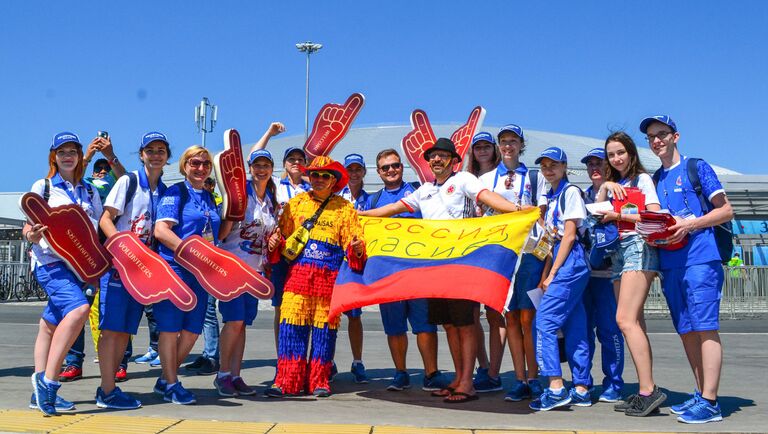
133	183
657	176
533	178
561	199
47	190
375	198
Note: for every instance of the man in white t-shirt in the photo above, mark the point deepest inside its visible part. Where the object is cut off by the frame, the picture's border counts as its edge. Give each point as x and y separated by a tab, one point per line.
451	196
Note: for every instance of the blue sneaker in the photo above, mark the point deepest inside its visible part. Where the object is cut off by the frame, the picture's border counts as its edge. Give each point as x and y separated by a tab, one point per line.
536	388
61	404
610	394
549	400
117	399
177	394
148	357
401	381
154	363
682	408
702	412
518	392
358	373
45	394
160	386
435	382
487	384
321	392
334	371
481	374
273	392
580	400
224	386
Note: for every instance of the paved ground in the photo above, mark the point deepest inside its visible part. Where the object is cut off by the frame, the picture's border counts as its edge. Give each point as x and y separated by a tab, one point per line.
744	388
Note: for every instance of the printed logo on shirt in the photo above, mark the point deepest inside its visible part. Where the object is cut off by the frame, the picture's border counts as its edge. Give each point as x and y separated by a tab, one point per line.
140	227
451	189
679	181
314	253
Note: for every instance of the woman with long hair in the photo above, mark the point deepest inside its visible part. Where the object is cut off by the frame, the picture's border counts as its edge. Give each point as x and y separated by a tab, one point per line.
635	265
64	316
120	313
249	240
185	209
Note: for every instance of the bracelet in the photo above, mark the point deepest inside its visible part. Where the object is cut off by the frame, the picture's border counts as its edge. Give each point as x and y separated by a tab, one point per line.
112	160
26	236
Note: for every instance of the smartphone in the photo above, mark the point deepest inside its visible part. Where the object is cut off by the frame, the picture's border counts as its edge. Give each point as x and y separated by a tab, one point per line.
103	134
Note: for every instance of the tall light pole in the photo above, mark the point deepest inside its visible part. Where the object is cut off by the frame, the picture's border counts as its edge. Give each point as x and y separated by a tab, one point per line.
309	48
201	116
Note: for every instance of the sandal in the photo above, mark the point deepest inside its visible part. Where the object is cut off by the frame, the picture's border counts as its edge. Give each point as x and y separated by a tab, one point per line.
442	393
463	397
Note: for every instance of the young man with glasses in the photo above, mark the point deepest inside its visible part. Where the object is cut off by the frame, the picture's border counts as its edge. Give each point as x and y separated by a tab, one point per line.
396	315
693	275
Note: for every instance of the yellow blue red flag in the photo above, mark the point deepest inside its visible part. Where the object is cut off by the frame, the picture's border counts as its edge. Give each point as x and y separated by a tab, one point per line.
470	259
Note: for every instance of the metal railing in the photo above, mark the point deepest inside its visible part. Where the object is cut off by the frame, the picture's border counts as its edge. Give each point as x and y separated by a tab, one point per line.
17	283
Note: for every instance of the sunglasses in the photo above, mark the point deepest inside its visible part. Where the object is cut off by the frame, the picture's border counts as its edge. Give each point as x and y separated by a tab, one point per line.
101	169
198	163
386	167
324	175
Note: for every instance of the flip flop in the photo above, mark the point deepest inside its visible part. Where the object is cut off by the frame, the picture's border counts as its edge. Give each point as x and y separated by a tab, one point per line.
442	393
465	397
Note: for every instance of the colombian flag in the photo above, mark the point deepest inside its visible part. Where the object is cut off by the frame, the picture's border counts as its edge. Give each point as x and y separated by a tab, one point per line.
470	259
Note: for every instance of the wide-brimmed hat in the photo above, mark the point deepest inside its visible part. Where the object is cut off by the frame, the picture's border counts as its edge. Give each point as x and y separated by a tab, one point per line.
443	144
327	164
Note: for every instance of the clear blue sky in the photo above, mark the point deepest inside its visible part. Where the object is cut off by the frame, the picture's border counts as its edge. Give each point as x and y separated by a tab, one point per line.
580	68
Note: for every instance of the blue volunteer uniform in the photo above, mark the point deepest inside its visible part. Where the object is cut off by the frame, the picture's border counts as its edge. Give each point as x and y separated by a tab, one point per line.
561	307
693	276
118	310
197	216
600	307
396	315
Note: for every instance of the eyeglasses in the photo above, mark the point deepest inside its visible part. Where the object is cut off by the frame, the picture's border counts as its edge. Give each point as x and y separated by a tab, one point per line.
294	160
434	155
386	167
324	175
64	153
661	136
206	164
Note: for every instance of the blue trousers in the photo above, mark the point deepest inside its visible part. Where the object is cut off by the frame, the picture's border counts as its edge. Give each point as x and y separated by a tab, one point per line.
600	306
211	331
562	308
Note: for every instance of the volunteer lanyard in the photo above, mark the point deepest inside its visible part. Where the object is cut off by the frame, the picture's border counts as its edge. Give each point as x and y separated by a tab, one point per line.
252	194
77	200
556	196
522	181
152	204
200	203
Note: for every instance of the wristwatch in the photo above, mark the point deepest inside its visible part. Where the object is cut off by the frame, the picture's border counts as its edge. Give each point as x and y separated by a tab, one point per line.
112	160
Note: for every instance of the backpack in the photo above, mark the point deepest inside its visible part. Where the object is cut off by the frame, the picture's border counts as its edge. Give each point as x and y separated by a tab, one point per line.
376	196
533	179
581	237
724	231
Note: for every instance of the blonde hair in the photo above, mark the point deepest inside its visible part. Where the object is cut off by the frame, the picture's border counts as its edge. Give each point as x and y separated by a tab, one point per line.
190	152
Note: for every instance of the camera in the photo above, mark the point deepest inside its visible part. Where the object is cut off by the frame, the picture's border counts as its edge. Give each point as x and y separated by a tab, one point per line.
103	134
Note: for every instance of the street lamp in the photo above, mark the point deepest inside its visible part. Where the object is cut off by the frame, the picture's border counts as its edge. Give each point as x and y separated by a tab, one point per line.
201	111
309	48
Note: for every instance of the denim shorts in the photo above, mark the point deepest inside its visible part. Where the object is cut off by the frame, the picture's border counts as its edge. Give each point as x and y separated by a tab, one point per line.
634	254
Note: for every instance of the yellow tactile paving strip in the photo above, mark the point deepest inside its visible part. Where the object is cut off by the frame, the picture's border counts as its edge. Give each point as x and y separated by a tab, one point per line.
215	426
25	421
99	424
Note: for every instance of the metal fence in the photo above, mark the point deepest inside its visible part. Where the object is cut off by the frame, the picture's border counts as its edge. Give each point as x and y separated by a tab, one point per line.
17	283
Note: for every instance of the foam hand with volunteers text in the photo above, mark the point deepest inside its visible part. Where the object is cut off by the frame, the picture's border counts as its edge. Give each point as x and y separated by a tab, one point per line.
462	137
70	235
331	125
221	273
231	177
419	139
146	276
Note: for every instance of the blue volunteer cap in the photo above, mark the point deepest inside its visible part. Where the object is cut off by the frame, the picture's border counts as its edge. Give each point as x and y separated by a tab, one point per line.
594	152
512	128
354	159
260	153
483	136
553	153
153	136
664	119
65	137
294	149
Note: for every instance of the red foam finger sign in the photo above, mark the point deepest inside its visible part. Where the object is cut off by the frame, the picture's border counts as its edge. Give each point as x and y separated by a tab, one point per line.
231	177
145	275
462	137
419	139
222	274
71	236
331	125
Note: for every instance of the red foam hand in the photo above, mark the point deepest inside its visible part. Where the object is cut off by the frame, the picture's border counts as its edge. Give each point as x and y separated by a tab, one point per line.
462	137
331	125
231	177
222	274
70	234
145	275
419	139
